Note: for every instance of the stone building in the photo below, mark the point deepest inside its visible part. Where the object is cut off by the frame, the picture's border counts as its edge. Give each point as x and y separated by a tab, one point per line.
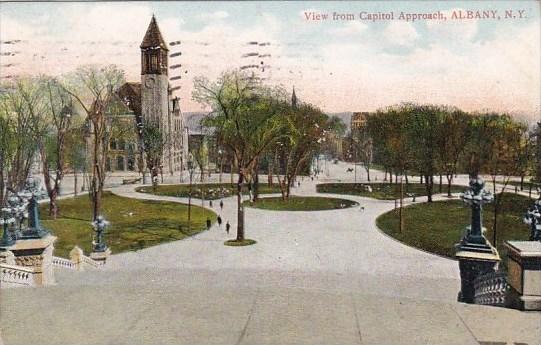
151	101
358	120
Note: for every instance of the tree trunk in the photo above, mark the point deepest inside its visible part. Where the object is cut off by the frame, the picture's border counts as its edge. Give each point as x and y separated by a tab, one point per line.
421	178
449	181
429	184
440	188
407	182
75	182
256	185
368	173
240	211
521	182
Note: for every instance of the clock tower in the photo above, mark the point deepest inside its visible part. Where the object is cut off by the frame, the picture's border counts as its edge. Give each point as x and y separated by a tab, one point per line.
154	82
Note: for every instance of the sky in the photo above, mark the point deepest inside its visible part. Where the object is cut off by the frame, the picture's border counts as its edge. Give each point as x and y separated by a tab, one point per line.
339	65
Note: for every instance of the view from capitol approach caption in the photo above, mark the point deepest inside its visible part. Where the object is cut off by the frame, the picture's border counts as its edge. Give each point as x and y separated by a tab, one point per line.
412	17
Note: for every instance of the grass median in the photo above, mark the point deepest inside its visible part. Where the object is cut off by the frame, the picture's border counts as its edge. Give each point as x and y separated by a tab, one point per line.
382	191
210	191
437	226
135	224
301	203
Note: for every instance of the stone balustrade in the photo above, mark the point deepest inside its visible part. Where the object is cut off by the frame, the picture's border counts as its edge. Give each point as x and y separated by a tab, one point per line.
90	262
14	276
63	263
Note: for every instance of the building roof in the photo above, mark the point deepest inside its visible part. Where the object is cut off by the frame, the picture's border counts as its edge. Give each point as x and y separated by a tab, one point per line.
153	37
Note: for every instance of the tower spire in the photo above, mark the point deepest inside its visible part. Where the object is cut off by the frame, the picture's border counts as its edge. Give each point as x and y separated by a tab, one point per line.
294	98
153	37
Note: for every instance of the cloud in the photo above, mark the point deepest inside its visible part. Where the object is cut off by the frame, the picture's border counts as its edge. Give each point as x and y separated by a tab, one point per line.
452	30
216	15
400	33
350	28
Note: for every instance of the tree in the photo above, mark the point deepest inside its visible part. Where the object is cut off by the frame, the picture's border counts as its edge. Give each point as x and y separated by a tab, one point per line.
246	117
52	146
305	129
21	124
153	143
362	147
452	142
422	126
94	89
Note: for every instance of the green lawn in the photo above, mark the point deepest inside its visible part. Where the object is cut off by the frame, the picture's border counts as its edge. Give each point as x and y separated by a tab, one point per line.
382	191
135	224
437	226
297	203
211	191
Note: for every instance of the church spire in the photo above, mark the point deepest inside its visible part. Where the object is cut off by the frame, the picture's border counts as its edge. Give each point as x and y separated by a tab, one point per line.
294	98
153	37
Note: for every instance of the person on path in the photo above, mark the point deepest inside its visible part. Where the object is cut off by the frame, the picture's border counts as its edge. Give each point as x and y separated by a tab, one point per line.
221	204
208	224
219	221
299	184
227	226
210	203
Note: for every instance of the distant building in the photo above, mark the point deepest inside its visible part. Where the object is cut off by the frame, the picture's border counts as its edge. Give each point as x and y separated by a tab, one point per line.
358	120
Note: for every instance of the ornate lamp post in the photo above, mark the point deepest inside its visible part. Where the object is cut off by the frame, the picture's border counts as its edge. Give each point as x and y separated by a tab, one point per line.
190	171
476	197
475	254
533	219
99	225
7	240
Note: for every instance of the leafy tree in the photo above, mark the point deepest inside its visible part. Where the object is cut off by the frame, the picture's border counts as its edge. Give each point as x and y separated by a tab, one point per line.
21	125
153	143
305	130
247	119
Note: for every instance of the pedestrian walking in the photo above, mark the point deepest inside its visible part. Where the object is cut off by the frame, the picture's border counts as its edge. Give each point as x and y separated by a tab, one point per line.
227	226
219	221
299	184
208	224
221	204
210	203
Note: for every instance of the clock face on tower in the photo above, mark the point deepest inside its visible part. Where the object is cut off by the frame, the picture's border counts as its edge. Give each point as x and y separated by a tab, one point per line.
149	82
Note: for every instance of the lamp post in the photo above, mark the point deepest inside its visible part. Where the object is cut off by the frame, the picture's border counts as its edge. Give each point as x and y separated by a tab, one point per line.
476	256
533	219
220	158
99	225
190	171
6	220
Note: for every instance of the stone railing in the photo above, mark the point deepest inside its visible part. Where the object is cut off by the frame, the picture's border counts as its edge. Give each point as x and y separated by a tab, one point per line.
491	289
13	275
90	262
63	263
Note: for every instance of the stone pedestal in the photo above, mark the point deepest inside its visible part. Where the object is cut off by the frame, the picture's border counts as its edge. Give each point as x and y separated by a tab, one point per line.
36	253
101	257
473	263
524	274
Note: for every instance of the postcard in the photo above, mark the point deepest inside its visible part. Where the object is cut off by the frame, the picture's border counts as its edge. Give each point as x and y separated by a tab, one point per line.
270	172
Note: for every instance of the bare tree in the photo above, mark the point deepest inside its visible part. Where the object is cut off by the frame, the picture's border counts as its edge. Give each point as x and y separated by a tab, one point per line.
94	89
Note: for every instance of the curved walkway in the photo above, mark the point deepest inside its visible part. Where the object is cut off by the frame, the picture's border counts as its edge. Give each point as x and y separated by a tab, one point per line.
336	250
